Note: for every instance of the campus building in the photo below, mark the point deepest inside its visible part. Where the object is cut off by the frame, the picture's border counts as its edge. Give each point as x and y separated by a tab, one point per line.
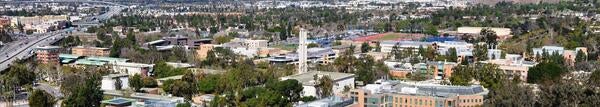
315	55
513	65
90	51
341	80
405	94
47	54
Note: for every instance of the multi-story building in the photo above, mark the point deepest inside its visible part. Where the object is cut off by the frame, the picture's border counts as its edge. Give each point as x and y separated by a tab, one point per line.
568	55
47	54
90	51
441	70
405	94
342	80
387	46
513	65
315	55
255	44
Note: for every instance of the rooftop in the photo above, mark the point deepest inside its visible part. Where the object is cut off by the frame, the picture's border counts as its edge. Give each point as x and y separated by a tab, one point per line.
308	77
89	62
425	89
107	59
118	101
69	56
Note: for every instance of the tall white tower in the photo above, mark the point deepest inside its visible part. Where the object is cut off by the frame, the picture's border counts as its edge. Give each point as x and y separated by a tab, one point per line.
302	51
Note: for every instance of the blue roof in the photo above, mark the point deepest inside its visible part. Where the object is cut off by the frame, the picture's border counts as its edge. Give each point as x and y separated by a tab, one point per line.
441	39
68	56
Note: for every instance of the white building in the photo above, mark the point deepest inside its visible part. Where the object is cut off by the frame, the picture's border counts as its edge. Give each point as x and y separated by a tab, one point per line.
255	44
386	46
340	80
133	68
549	49
109	81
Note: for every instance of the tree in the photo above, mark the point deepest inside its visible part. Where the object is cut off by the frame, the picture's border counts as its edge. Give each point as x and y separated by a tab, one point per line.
489	36
452	55
545	71
186	104
118	84
581	56
312	45
183	89
461	75
136	82
345	62
324	86
594	79
86	95
396	52
365	69
40	98
290	89
481	52
364	48
149	82
208	84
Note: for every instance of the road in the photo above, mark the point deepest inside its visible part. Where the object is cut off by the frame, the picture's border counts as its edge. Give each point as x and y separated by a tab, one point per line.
24	49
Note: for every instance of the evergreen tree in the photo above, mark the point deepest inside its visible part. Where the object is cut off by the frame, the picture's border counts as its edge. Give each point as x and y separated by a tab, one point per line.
40	98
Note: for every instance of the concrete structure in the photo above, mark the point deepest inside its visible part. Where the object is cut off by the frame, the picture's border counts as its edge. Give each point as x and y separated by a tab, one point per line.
47	54
39	24
109	81
90	51
503	33
314	55
333	101
387	46
133	68
441	70
568	55
405	94
147	100
513	65
255	44
202	51
340	80
302	52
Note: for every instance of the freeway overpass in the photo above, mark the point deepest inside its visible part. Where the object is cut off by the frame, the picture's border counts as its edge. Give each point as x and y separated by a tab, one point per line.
24	48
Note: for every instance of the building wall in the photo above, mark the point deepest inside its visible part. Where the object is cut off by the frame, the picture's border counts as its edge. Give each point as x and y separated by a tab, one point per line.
46	56
202	51
90	51
131	70
109	83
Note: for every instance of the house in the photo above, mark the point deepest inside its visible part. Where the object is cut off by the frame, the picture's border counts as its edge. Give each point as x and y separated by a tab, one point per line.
342	80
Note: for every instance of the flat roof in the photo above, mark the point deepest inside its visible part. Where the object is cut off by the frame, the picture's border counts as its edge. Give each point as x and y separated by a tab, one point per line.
89	62
118	101
177	77
129	64
69	56
115	75
107	59
308	77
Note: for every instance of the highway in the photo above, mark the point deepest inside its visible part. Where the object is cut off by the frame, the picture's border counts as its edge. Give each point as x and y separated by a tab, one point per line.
24	48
